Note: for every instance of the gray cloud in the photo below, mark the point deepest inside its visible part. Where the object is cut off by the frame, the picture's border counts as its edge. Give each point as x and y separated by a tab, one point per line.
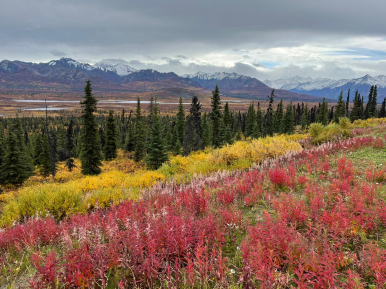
206	35
56	52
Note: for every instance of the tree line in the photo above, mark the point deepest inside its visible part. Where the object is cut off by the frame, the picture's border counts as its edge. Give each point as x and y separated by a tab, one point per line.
31	144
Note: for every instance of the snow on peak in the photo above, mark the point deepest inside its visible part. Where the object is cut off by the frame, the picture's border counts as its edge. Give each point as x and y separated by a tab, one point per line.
71	62
217	75
118	66
308	84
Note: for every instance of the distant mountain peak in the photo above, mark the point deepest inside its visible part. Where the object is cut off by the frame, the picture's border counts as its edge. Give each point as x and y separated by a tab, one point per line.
329	88
118	66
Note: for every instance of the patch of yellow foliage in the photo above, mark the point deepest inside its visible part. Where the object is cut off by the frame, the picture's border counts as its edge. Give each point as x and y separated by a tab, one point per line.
371	122
71	192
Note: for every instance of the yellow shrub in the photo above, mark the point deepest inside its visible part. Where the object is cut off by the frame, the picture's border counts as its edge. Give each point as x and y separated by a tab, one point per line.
371	122
143	179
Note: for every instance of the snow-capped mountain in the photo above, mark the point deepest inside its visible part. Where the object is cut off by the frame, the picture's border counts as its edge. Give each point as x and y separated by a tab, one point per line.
120	67
214	76
239	85
69	62
331	88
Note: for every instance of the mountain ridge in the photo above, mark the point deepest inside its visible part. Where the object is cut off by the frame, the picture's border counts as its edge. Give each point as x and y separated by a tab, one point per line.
330	88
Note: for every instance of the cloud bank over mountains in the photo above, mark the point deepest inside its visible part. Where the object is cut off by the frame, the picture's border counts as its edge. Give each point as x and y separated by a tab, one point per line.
263	39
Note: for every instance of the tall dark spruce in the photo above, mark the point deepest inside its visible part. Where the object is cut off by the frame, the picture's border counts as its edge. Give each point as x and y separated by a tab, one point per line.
110	149
340	110
180	121
269	116
90	155
193	132
140	135
13	170
156	151
216	117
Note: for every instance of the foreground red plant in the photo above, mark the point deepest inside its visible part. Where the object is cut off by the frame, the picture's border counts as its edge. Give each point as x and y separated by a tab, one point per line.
305	220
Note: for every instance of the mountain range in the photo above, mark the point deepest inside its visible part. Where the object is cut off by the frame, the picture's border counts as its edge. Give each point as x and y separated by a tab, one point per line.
330	88
67	75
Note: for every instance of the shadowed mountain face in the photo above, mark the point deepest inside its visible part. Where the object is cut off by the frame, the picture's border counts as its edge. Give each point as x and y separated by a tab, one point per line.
70	75
331	88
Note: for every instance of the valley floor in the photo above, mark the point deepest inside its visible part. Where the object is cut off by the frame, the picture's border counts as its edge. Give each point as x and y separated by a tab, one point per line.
312	218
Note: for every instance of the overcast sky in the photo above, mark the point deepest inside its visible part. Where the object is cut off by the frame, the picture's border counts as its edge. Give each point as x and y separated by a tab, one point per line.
260	38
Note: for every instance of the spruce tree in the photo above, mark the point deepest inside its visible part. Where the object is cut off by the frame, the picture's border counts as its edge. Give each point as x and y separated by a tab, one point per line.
251	121
110	149
37	149
382	111
269	116
340	110
279	116
373	107
130	138
181	121
368	109
305	118
157	153
19	133
44	158
355	112
90	155
216	117
348	103
13	170
140	135
2	145
288	122
322	116
205	131
259	120
53	151
227	118
193	132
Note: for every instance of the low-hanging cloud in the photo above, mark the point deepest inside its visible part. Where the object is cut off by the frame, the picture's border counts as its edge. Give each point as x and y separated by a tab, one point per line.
182	36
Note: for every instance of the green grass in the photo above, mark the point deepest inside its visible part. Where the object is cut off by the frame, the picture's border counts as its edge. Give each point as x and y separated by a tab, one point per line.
366	157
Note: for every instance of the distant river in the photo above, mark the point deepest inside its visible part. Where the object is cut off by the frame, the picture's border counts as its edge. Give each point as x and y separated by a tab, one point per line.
100	101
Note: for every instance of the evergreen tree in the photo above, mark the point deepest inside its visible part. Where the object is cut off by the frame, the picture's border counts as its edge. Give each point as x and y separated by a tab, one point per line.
269	117
53	151
373	108
355	112
279	116
177	145
90	155
288	123
140	135
130	138
227	118
157	153
347	103
340	110
216	117
259	120
44	158
2	145
37	149
70	137
180	121
305	118
13	170
110	148
382	111
19	133
205	131
193	133
322	116
368	109
251	121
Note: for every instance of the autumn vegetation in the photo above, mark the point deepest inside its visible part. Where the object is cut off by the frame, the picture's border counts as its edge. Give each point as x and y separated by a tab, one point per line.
300	204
